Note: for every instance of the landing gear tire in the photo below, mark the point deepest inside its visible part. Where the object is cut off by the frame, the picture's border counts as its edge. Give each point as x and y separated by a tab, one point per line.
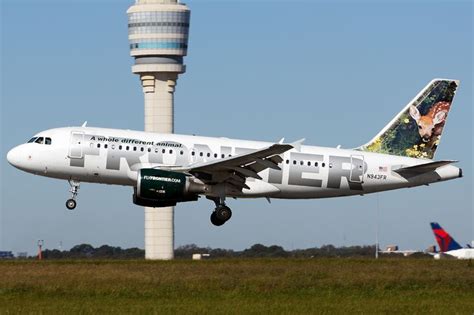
215	220
223	213
71	204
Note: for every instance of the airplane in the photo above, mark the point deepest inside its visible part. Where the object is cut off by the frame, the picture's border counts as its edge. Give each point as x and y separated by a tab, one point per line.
393	249
448	246
166	169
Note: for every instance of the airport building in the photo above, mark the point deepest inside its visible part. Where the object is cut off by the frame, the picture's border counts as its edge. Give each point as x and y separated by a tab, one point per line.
158	37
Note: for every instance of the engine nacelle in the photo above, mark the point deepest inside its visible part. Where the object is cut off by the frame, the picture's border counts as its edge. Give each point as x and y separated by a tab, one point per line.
160	188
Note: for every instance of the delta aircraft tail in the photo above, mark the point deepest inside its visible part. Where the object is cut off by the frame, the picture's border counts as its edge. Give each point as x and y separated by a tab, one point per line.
445	241
416	130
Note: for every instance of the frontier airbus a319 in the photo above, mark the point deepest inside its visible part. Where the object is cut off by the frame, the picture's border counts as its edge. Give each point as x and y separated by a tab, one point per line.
165	169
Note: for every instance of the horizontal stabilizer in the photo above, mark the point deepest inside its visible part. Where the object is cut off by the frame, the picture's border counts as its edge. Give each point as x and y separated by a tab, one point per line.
412	171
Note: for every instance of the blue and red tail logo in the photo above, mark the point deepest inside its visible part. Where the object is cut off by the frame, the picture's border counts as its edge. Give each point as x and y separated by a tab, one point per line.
445	241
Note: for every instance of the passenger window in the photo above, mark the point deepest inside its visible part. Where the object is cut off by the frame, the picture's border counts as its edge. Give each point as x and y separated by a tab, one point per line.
134	148
309	163
149	149
201	154
171	151
215	155
40	140
193	153
287	161
163	151
181	152
208	154
294	162
48	141
105	146
316	164
323	164
98	145
32	140
127	148
223	156
301	162
142	149
120	147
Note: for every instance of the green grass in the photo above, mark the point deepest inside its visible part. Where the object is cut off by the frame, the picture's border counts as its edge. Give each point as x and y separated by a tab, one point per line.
299	286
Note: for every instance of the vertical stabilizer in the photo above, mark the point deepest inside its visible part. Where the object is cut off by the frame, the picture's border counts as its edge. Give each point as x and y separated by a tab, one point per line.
445	241
416	130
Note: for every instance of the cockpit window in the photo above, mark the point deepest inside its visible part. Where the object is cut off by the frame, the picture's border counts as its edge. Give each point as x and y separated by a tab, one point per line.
40	140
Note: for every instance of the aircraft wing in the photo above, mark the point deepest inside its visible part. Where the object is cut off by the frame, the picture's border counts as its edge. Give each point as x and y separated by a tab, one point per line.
234	170
412	171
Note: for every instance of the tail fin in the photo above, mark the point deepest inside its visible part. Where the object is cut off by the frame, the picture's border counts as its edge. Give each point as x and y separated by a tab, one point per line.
445	241
416	130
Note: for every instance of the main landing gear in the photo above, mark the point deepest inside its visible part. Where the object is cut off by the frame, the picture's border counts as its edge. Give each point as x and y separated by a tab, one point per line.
221	213
71	203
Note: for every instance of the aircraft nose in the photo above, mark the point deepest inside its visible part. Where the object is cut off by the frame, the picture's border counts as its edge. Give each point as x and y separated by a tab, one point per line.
12	156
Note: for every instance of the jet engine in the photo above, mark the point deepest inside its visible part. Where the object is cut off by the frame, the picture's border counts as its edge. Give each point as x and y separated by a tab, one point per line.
161	188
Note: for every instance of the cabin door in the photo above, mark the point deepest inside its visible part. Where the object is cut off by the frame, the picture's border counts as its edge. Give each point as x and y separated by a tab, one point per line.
76	144
357	169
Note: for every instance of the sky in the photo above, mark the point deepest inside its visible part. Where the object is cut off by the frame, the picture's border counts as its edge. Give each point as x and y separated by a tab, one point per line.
333	72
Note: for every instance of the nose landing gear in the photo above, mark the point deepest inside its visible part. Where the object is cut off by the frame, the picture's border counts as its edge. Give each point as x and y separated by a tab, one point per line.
71	203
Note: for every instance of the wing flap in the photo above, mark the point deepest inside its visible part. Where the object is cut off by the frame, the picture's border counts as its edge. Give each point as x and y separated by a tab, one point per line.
246	172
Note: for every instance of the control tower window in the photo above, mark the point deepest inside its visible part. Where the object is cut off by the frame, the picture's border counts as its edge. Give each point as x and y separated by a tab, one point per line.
48	141
40	140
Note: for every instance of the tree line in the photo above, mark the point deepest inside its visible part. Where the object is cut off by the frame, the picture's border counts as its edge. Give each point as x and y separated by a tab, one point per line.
85	251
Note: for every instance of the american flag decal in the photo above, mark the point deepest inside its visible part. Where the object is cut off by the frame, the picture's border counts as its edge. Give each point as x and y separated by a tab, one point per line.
382	168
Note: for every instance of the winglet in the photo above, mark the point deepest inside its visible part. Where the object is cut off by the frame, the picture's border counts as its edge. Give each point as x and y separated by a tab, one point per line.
297	144
84	124
282	140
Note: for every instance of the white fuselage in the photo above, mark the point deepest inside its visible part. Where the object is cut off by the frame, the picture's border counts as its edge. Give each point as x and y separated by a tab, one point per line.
113	156
462	253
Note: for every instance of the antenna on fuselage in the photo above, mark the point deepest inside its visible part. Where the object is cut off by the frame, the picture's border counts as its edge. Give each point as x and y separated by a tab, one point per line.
84	124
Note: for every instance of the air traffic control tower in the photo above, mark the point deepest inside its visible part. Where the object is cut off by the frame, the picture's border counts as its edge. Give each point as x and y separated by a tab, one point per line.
158	36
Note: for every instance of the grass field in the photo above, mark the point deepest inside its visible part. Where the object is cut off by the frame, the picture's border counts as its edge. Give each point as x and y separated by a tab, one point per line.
299	286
